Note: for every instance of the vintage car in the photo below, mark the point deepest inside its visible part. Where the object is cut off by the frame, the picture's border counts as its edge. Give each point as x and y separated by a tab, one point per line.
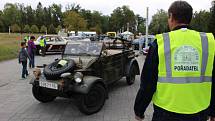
84	74
54	43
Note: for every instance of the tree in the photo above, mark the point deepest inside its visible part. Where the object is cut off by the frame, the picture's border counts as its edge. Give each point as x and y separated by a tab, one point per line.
159	22
27	29
34	29
59	27
11	15
56	14
47	16
211	25
15	28
97	28
2	28
87	15
140	24
73	21
105	24
22	16
200	21
116	19
43	29
122	18
73	7
129	18
51	29
30	16
39	15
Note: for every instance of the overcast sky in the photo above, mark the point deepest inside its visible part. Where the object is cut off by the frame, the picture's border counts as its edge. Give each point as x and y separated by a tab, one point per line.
107	6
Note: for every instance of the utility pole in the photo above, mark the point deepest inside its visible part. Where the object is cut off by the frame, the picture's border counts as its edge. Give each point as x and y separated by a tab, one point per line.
147	19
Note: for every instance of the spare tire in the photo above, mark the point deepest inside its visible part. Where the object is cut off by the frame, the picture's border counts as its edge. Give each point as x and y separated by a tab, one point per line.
53	70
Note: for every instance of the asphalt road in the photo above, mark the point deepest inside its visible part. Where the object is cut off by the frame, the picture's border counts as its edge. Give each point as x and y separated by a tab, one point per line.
18	104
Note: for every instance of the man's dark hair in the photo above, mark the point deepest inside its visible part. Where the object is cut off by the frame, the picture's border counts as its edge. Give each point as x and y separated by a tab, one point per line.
22	43
32	37
181	11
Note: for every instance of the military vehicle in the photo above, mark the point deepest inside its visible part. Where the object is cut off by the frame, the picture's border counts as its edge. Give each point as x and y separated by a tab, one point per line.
85	72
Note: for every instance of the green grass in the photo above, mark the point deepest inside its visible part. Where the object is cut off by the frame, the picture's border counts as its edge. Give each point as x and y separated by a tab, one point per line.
10	45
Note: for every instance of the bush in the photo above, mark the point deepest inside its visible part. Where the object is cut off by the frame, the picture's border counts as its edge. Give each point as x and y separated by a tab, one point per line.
15	28
43	29
34	29
27	29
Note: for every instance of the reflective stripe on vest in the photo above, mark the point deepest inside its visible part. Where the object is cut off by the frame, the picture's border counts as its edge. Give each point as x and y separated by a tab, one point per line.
170	79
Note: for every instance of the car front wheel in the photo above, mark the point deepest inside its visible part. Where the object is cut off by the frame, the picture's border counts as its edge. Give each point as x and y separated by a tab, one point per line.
93	101
41	95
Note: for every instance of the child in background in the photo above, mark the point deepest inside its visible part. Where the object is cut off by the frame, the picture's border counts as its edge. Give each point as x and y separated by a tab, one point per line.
23	57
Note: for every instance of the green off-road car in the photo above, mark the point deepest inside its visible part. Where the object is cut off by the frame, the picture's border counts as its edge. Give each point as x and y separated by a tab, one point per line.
84	73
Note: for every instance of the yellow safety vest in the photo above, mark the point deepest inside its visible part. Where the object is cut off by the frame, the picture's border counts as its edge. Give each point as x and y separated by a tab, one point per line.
42	43
185	71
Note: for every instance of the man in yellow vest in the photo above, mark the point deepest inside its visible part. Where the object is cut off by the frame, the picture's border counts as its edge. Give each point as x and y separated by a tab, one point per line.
43	45
179	72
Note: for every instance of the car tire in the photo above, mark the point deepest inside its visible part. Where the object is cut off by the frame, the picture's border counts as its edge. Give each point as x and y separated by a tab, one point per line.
40	94
93	101
130	79
51	71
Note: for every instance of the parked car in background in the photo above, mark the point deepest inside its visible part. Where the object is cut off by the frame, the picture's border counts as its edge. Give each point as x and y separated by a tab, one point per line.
141	41
137	42
54	43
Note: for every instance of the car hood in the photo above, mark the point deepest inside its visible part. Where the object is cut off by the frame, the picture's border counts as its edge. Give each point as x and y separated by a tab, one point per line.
83	62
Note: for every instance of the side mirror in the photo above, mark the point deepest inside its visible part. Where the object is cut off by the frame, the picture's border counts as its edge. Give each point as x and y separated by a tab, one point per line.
64	75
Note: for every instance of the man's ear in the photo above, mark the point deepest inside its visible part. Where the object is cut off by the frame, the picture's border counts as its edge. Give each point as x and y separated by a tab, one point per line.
170	17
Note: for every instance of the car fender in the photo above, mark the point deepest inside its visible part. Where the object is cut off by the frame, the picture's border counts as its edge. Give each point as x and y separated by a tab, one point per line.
130	63
88	82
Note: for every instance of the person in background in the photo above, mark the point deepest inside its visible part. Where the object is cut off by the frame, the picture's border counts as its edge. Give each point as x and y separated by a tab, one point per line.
26	39
31	51
179	72
43	45
23	57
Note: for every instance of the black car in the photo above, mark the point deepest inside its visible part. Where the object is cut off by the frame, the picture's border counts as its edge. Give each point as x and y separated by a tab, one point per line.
84	73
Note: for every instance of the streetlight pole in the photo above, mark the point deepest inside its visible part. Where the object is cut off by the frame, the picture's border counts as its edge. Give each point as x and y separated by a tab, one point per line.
147	18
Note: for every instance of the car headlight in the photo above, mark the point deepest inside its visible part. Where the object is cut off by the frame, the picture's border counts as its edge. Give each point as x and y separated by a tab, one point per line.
78	77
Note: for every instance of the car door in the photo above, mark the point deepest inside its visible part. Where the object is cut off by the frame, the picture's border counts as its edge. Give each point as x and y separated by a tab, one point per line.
59	43
49	43
112	68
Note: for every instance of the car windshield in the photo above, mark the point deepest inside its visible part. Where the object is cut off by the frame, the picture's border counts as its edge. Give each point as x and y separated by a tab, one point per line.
83	48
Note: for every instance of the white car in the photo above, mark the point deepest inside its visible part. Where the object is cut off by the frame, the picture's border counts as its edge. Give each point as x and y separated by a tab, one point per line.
54	43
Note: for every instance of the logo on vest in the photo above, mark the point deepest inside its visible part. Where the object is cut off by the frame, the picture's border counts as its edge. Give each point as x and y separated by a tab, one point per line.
186	59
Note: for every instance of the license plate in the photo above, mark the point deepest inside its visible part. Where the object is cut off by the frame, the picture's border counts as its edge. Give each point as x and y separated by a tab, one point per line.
48	85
